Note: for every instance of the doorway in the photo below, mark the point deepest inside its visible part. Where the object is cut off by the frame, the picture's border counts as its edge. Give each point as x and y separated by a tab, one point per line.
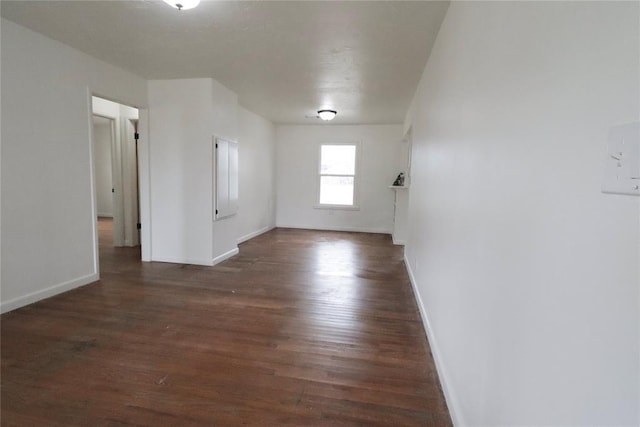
116	174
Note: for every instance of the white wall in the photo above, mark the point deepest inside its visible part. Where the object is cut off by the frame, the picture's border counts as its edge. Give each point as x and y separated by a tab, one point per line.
297	175
257	189
104	184
48	200
225	125
528	274
184	115
180	134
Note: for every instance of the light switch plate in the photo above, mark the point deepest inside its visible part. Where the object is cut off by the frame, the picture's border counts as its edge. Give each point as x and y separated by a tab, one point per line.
622	167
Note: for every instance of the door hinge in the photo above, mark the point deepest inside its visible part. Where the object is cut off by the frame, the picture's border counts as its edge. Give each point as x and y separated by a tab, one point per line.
139	226
216	211
113	190
136	135
216	145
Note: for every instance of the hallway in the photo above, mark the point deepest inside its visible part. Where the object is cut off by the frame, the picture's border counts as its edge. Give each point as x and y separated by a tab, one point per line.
301	328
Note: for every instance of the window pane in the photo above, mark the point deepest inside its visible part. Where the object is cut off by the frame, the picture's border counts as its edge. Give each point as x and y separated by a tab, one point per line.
338	160
336	190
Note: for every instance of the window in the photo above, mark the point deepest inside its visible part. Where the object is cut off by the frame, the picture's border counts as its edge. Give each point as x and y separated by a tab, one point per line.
337	175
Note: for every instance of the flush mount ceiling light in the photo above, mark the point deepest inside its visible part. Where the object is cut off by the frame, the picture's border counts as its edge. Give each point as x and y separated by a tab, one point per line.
327	114
182	4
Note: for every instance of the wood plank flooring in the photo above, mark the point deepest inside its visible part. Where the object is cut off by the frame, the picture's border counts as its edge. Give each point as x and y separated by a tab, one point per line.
302	328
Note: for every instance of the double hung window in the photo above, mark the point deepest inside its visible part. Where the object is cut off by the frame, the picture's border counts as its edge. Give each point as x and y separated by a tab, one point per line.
337	175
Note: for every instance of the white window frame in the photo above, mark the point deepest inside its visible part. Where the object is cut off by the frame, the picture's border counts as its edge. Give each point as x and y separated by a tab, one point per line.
356	178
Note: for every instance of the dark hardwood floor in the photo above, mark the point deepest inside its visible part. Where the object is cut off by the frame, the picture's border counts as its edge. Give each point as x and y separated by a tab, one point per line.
302	328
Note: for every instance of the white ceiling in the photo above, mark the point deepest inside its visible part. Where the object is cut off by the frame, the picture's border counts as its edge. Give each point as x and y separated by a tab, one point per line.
284	59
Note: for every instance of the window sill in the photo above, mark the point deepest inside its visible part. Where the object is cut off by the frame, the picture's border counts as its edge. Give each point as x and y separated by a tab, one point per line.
338	207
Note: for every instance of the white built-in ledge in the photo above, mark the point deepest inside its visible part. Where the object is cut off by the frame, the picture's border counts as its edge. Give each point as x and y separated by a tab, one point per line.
399	187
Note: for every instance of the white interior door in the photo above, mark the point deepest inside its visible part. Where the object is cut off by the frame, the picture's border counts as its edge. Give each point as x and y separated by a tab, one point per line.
103	138
130	182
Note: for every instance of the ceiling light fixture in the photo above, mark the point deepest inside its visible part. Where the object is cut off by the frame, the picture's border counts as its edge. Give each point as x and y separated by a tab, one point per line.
182	4
327	114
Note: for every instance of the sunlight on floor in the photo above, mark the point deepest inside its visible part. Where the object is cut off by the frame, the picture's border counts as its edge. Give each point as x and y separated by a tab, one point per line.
336	258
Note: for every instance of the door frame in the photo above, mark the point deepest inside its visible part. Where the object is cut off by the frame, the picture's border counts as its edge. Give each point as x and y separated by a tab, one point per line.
142	162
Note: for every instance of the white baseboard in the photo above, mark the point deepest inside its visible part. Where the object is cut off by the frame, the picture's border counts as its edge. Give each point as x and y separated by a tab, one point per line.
32	297
331	228
449	395
397	242
224	256
193	261
176	260
255	234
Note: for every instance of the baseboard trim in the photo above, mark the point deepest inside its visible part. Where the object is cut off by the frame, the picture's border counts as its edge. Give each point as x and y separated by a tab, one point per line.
398	242
192	261
255	234
329	228
224	256
449	395
32	297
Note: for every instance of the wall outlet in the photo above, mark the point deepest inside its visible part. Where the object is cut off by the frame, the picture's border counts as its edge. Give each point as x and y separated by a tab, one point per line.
622	165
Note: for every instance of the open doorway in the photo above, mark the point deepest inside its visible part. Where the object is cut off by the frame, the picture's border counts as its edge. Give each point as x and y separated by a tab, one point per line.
116	174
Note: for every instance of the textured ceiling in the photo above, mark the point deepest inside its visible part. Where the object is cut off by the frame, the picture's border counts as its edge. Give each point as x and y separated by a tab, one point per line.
285	60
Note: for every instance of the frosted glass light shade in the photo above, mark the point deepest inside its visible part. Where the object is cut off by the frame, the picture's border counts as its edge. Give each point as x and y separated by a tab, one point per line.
182	4
327	114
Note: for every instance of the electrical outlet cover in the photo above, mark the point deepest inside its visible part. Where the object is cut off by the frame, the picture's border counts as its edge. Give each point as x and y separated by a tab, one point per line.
622	167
